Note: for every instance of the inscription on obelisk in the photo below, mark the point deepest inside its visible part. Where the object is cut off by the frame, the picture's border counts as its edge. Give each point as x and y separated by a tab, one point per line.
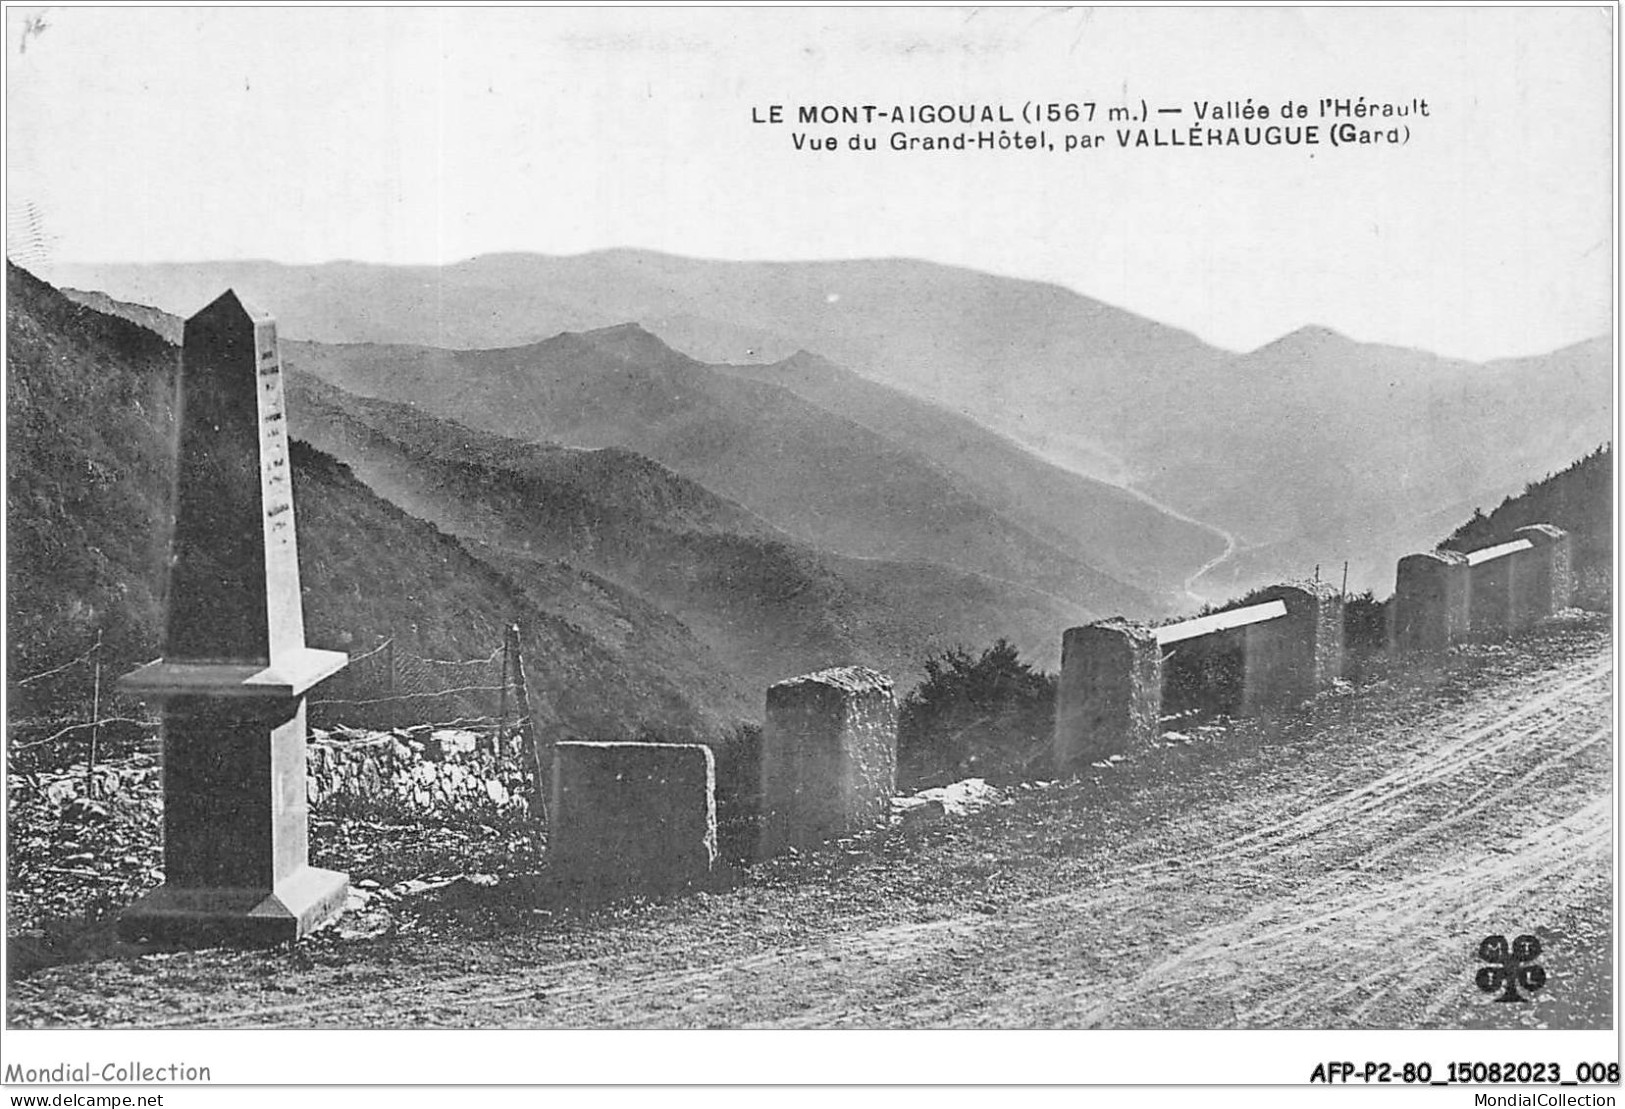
234	581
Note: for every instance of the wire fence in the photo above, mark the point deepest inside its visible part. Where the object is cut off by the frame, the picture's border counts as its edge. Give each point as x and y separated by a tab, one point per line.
389	687
53	671
385	688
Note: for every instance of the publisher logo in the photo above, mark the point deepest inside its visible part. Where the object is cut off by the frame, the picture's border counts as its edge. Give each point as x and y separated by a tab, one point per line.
1512	966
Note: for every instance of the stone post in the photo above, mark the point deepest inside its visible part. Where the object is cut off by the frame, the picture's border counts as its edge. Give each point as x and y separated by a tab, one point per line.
632	817
829	757
1432	601
1545	583
235	667
1109	701
1291	659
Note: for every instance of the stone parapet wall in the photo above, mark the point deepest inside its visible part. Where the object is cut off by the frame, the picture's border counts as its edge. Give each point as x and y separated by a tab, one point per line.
434	775
632	817
1443	596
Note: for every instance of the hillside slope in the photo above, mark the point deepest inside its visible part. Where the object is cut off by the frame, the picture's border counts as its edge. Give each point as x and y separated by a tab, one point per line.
89	442
825	480
91	411
1107	526
769	606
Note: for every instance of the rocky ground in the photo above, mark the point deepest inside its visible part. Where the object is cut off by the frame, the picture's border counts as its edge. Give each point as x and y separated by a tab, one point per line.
1332	869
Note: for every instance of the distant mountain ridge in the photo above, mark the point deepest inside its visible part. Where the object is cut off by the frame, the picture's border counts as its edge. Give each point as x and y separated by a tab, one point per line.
1363	452
1310	450
827	480
976	343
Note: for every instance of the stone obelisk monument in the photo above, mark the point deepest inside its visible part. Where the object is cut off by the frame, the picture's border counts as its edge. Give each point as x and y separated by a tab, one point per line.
235	669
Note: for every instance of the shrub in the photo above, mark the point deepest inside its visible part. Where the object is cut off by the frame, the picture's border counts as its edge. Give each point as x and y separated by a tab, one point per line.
1365	623
1205	676
986	714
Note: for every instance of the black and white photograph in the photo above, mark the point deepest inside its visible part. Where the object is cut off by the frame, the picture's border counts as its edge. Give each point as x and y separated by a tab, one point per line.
938	518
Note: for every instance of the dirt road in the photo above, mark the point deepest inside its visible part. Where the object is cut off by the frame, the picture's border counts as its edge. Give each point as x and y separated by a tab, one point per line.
1336	871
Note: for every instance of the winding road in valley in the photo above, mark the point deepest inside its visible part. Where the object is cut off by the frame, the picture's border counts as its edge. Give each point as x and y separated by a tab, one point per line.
1230	543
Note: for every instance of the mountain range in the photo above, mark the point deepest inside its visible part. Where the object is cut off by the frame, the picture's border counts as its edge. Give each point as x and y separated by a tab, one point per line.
825	479
1311	450
764	603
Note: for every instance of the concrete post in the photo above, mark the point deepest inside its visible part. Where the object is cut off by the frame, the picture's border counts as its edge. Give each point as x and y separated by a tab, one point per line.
1432	601
1545	583
1291	659
829	757
1109	701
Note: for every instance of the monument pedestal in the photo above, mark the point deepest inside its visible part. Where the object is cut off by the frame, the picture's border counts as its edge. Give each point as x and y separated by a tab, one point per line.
297	905
236	847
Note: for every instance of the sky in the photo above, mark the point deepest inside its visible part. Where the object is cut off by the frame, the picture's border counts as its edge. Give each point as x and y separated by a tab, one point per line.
425	135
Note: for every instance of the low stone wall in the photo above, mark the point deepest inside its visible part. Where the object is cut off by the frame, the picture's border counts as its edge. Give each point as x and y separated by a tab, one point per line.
1493	584
829	757
427	768
1443	596
433	770
632	817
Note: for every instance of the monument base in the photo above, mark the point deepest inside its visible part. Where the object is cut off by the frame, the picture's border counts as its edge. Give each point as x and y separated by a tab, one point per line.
298	905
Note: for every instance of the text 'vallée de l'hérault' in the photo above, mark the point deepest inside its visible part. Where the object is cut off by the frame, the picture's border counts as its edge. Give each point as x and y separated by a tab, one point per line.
1244	124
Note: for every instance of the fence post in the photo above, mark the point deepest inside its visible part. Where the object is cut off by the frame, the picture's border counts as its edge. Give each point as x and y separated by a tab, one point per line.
396	711
95	719
521	696
502	697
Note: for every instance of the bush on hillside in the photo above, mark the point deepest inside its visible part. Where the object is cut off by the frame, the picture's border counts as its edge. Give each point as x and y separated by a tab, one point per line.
1365	623
987	714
